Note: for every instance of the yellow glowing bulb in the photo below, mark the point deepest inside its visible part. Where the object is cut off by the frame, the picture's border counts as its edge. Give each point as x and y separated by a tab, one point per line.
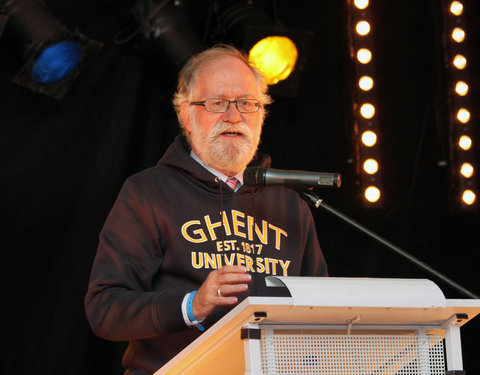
456	8
463	115
465	142
460	62
362	28
468	197
364	55
365	83
275	58
458	35
370	166
361	4
461	88
369	138
367	110
372	194
466	170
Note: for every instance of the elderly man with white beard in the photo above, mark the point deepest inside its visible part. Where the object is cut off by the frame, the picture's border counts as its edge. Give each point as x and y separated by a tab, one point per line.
185	240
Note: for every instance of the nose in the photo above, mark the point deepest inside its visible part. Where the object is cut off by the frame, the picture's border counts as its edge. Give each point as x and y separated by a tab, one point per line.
232	115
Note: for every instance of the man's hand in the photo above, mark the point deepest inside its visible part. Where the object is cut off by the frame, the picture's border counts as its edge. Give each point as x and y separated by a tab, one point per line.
220	288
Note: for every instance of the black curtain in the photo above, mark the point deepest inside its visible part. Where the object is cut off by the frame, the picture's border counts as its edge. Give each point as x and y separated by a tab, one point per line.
63	162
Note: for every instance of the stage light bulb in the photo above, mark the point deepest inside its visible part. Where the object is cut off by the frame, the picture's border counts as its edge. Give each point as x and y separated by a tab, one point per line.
362	28
468	197
275	57
364	55
463	115
370	166
361	4
458	35
372	194
365	83
369	138
461	88
466	170
460	62
465	142
57	62
456	8
367	110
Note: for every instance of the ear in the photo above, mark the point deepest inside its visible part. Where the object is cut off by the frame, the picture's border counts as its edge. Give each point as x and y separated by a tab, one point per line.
184	112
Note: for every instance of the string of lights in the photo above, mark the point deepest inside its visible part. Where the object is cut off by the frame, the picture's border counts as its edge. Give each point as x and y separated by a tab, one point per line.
461	144
366	138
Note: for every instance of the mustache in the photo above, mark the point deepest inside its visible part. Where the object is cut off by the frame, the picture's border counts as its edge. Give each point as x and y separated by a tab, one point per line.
239	127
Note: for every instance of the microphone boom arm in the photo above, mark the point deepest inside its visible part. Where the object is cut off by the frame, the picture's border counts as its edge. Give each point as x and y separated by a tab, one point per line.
314	201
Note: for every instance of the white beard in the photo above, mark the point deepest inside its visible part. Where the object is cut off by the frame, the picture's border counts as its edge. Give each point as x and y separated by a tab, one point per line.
229	157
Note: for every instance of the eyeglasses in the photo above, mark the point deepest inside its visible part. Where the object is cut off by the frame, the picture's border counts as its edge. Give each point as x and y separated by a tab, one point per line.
222	105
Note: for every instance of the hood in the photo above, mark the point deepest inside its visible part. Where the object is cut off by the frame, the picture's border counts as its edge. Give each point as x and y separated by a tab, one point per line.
178	156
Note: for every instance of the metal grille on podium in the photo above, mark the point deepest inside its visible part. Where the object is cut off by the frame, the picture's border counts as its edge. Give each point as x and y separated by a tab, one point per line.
293	354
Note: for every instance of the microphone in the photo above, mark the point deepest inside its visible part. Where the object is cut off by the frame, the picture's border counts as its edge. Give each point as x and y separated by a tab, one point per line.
257	176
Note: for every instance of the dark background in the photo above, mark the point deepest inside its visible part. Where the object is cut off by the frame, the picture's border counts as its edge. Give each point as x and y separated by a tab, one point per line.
63	162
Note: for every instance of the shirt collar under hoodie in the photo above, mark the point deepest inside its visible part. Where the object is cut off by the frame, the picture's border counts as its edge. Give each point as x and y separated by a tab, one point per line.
220	175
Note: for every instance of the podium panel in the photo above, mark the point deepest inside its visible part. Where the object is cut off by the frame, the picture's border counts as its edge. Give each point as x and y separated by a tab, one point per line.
335	326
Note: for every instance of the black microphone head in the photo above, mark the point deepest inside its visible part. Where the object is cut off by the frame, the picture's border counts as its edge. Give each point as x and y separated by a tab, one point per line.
254	176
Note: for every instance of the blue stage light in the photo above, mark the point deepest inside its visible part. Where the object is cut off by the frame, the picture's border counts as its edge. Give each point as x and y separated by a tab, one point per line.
57	62
52	54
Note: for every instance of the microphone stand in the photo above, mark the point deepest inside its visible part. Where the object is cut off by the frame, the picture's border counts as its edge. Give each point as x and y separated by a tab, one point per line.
314	201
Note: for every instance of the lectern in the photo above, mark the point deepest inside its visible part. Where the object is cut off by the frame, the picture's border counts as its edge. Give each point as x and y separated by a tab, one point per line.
334	326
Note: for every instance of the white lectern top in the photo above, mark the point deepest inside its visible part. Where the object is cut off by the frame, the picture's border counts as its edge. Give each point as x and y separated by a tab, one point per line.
337	291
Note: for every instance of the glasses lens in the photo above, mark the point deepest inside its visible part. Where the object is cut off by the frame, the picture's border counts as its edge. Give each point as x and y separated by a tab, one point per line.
248	105
216	105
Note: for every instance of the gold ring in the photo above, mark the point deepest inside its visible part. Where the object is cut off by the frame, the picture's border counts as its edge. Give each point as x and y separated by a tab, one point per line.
219	293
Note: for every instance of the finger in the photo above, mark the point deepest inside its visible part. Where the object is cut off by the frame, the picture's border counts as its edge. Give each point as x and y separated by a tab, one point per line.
234	278
232	269
231	290
227	301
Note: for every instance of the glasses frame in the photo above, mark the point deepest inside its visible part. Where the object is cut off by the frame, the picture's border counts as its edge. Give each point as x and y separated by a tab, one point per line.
202	103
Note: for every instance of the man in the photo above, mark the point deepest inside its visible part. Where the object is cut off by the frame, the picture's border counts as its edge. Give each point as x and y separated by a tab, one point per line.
182	244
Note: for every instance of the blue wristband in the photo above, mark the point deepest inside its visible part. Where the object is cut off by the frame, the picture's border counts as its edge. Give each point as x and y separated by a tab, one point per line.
190	312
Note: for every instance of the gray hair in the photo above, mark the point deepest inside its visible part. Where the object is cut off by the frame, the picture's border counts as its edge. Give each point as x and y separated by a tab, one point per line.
186	78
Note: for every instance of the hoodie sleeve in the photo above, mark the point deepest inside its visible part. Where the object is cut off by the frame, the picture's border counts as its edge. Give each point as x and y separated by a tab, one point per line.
121	303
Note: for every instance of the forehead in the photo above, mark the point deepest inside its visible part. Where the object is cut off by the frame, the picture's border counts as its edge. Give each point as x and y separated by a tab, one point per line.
225	76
